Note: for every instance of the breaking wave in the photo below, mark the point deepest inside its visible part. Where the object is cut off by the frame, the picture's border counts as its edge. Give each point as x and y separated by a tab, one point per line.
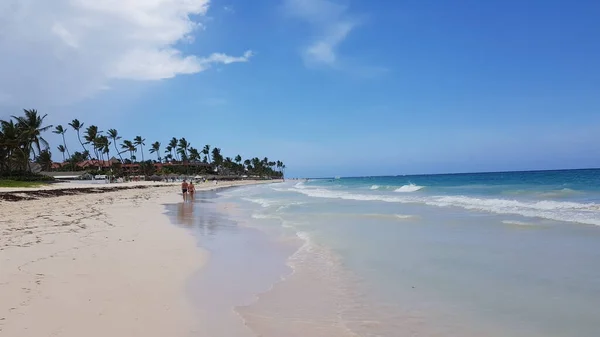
585	213
408	188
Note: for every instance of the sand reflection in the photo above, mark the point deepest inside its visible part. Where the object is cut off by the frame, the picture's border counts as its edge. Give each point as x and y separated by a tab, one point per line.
185	213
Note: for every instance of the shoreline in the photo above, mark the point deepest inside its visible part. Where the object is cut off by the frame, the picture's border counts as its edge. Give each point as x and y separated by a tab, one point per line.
96	265
65	188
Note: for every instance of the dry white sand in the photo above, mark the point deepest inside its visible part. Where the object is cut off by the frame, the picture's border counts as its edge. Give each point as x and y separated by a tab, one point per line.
106	264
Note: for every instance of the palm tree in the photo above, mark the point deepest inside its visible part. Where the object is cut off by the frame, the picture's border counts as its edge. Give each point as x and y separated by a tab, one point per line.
169	153
30	127
206	152
173	144
138	141
194	154
217	157
156	149
103	146
238	161
182	148
256	165
59	130
247	163
61	149
76	125
228	162
12	149
127	145
114	136
91	133
44	159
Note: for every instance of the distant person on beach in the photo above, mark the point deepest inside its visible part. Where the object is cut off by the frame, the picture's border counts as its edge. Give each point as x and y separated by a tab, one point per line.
191	189
184	189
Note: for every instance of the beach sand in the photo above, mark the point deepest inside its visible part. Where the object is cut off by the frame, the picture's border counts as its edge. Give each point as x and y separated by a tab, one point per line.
91	264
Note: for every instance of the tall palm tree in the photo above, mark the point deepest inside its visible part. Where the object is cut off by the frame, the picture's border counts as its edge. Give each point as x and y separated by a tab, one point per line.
138	141
31	129
156	149
12	147
194	154
105	142
217	157
173	144
103	146
61	149
114	136
77	126
238	161
182	147
206	152
91	133
169	153
127	145
256	165
59	130
247	163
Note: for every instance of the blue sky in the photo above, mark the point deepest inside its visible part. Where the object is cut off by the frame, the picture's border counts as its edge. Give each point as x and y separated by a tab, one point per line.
330	87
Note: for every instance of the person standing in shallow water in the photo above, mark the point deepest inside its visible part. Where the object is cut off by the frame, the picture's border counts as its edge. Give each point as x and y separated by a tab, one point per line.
191	190
184	189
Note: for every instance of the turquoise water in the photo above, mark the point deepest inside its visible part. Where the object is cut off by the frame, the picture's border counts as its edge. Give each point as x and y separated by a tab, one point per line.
491	254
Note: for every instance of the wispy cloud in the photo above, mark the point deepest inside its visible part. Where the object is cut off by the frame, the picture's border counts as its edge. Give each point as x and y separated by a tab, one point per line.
60	51
331	23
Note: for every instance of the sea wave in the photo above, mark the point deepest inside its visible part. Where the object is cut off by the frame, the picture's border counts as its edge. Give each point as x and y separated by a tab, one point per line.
554	194
408	188
517	223
300	185
263	202
374	187
585	213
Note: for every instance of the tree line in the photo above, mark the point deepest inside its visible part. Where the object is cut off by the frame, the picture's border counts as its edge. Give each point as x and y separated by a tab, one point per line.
22	142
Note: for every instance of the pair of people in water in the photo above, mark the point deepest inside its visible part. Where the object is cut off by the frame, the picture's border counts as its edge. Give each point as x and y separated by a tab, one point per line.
187	189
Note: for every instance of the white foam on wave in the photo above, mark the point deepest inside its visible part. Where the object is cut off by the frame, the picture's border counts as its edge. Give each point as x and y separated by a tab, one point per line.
263	202
585	213
517	223
263	216
408	188
300	185
374	187
289	204
404	216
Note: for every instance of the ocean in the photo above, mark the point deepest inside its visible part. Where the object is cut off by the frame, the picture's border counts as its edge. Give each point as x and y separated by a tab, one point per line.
484	254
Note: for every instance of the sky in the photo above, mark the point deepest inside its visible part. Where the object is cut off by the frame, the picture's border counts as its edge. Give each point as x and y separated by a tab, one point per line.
329	87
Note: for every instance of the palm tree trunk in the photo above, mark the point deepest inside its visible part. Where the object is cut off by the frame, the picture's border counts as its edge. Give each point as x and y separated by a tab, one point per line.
65	144
80	142
119	153
142	150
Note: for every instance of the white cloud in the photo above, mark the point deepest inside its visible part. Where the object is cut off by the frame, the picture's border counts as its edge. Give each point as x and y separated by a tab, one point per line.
331	23
60	51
